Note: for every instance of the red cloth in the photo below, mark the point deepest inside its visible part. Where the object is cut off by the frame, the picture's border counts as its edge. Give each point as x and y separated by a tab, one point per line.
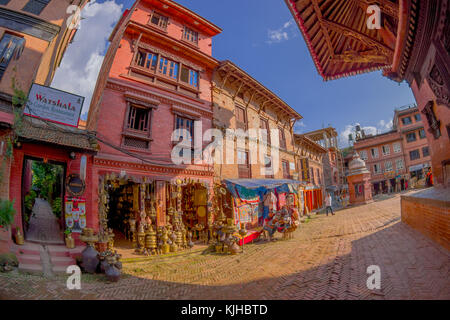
252	235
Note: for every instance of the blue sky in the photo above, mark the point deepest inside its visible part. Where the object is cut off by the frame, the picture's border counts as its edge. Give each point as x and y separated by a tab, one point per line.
261	37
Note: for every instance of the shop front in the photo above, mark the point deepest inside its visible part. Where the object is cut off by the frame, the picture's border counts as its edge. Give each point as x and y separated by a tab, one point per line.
145	209
263	204
51	168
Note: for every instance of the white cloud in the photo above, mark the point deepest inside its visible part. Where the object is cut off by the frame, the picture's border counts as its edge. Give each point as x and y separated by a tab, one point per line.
282	34
298	127
83	59
381	127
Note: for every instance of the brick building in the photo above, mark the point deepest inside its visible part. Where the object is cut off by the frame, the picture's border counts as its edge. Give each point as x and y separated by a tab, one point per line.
333	162
408	122
385	159
309	160
153	89
241	102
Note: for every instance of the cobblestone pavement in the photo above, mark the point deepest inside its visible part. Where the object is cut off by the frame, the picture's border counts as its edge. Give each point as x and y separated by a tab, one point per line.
327	259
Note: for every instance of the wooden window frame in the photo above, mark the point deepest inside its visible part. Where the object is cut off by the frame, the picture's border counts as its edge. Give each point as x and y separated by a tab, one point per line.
16	52
286	174
238	122
266	121
27	7
411	153
159	26
282	138
187	30
244	167
138	134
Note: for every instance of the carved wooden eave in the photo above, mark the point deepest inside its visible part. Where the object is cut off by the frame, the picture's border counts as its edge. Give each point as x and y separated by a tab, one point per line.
307	144
244	83
338	38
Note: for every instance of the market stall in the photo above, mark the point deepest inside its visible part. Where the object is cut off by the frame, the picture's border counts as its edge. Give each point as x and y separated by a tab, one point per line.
261	204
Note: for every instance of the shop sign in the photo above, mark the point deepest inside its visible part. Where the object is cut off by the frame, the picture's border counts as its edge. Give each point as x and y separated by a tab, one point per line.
54	105
75	185
75	213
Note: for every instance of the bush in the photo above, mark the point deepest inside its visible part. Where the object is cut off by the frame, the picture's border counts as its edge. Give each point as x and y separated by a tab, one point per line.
9	259
7	212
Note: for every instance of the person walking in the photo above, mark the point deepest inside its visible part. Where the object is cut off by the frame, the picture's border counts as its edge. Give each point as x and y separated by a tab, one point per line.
328	204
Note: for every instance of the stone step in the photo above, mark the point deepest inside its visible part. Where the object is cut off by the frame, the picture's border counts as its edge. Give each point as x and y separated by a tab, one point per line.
59	269
62	261
28	249
29	259
31	268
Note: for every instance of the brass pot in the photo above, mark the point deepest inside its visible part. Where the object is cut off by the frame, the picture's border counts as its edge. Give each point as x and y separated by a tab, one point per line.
19	238
70	242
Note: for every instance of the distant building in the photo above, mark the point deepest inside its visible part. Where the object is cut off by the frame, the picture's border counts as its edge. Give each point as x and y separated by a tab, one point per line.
309	159
408	122
384	158
333	163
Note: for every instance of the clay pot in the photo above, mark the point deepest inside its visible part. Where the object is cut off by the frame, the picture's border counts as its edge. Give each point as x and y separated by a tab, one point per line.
112	273
89	259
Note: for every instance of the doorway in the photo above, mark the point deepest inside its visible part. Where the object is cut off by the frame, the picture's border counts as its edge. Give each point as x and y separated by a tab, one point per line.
42	200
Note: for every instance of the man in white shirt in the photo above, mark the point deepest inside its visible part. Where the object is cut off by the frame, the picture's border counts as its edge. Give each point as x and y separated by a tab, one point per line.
328	204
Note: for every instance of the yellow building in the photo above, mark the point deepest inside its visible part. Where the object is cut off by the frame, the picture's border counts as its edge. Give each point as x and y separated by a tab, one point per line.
241	102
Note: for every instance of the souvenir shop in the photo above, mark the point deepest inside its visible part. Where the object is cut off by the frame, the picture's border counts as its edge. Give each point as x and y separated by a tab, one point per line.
263	204
139	215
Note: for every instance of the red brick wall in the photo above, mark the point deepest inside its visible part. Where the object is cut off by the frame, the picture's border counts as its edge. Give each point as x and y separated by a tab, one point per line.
431	219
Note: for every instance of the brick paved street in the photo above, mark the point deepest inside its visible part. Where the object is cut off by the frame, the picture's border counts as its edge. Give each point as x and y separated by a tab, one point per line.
327	259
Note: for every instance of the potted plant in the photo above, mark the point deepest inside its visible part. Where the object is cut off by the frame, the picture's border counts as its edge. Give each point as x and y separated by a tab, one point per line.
7	213
70	242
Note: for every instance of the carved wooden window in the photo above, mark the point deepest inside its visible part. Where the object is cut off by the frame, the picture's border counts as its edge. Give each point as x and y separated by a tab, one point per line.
417	117
282	139
386	150
376	168
268	170
264	124
11	47
189	76
410	137
244	170
190	35
422	134
399	164
186	124
285	167
374	153
397	147
35	6
138	119
414	155
425	151
406	120
137	125
168	68
147	59
241	118
388	166
159	20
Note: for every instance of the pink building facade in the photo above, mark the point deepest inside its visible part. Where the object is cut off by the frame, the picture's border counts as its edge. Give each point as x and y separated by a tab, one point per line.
155	80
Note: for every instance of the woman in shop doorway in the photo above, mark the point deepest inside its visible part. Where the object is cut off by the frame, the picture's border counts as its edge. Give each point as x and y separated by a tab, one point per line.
328	204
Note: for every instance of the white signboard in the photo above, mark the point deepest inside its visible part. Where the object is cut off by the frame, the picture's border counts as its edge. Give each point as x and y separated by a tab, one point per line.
54	105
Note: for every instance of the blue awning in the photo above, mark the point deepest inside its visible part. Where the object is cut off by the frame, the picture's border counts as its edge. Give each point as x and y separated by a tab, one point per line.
262	183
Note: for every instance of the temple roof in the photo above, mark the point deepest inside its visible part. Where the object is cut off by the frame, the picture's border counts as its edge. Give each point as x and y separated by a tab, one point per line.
338	38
